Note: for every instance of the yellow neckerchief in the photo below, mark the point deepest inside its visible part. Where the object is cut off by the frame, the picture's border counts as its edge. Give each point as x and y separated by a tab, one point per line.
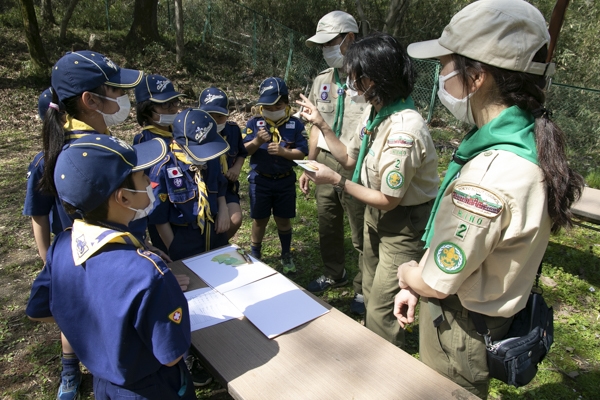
204	213
88	239
158	130
73	125
273	125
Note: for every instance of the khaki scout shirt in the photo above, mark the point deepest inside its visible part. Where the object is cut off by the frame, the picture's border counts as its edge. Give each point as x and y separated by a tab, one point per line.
401	161
491	232
324	94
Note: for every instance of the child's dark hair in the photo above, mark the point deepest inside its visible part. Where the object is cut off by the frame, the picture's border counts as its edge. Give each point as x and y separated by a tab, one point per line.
143	112
53	135
284	98
100	213
381	58
563	185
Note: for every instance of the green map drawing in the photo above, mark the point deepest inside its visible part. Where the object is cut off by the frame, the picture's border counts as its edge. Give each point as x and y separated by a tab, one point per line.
229	259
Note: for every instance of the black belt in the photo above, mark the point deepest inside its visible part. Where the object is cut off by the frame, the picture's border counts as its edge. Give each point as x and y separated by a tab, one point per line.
276	176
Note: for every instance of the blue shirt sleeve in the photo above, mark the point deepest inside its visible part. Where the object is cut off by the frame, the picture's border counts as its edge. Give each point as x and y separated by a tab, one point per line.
38	305
36	202
250	131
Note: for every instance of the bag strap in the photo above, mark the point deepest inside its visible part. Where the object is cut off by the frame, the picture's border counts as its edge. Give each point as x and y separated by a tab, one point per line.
479	321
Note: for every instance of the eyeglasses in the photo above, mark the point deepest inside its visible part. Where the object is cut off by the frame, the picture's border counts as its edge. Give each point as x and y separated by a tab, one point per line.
352	83
169	104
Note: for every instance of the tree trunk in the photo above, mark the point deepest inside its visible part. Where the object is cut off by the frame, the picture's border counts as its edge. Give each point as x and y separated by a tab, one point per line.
145	22
65	21
47	15
32	37
179	31
363	20
395	15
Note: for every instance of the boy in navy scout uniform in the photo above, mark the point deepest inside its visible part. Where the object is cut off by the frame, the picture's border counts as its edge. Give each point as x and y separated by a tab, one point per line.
215	102
274	139
118	304
157	105
191	215
341	108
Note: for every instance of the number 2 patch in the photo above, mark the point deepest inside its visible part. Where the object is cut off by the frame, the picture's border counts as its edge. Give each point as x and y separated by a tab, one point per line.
461	231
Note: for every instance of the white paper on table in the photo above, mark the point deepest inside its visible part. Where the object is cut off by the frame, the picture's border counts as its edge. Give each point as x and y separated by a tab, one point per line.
275	305
223	277
209	307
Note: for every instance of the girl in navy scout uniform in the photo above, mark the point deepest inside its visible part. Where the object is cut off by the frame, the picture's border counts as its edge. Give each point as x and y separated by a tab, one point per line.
133	332
157	104
191	214
215	102
274	140
84	99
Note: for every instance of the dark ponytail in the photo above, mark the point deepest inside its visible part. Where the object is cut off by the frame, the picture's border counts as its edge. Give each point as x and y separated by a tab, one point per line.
53	134
563	185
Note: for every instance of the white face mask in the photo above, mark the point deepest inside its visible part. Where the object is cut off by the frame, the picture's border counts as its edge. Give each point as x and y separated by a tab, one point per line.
354	96
139	214
273	115
333	55
166	119
119	116
457	107
220	127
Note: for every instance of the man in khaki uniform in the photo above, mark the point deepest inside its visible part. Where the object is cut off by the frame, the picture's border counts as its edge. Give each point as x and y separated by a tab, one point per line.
335	32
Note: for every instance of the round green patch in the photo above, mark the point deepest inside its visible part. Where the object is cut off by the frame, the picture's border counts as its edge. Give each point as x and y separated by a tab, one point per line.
394	180
450	258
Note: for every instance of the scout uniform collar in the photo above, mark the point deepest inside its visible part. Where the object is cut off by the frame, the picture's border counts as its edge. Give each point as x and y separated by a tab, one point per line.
273	125
88	238
513	130
372	123
339	111
159	131
73	125
204	213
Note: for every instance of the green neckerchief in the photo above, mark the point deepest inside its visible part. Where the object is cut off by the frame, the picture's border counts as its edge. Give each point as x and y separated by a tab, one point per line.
372	123
339	111
513	130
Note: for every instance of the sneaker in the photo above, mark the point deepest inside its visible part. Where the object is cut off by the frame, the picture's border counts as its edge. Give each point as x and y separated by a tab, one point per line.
288	263
69	386
322	283
358	304
256	255
200	376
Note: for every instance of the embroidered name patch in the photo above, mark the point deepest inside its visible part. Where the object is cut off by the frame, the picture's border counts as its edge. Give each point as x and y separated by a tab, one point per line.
477	200
400	140
450	258
398	152
176	315
394	180
470	218
174	172
290	125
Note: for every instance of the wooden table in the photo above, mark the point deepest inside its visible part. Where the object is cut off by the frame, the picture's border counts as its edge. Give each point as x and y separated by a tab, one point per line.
331	357
588	206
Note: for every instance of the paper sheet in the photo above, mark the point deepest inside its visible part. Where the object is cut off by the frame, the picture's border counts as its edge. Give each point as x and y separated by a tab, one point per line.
209	307
226	269
275	305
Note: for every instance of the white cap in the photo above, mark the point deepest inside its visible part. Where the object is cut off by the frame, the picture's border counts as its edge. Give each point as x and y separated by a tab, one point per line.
330	26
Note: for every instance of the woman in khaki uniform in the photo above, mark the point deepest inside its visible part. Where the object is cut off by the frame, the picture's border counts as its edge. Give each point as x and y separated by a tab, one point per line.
395	160
508	187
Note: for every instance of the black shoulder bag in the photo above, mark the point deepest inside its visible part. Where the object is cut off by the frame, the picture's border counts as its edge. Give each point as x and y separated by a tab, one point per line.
514	359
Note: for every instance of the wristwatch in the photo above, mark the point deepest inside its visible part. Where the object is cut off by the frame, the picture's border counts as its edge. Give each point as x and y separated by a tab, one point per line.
339	187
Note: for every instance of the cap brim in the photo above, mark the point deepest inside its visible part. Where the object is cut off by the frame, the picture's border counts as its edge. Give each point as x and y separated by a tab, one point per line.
214	109
268	100
321	38
126	78
149	153
206	151
164	97
427	49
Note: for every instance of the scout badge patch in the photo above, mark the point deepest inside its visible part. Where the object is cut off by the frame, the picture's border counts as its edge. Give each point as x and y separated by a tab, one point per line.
325	91
477	200
176	315
450	258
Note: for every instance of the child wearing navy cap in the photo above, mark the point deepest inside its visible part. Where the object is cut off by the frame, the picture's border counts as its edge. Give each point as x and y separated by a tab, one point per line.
215	102
191	213
118	304
274	139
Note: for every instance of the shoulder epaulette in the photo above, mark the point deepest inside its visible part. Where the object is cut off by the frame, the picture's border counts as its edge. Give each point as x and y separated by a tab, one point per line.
326	71
154	259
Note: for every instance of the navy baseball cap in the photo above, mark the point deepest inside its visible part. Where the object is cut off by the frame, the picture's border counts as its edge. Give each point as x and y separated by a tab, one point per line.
80	71
91	168
214	100
157	89
44	102
196	132
271	89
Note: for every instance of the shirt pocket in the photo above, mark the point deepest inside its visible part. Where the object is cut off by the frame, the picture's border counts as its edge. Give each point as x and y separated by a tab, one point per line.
326	108
372	168
181	190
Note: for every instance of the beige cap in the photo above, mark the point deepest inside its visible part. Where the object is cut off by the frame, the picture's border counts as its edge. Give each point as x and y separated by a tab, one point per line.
502	33
330	26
